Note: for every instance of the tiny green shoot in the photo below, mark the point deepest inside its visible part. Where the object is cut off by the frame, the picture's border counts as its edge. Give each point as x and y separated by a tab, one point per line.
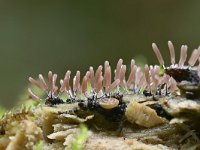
81	138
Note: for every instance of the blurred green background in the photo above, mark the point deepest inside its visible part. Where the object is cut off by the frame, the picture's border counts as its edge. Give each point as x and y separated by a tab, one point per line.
37	36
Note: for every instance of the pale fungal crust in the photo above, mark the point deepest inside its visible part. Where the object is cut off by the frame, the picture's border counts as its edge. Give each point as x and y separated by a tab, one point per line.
60	128
50	118
26	136
158	138
75	118
18	130
136	98
158	134
177	106
58	125
66	135
143	115
109	103
23	135
112	143
150	108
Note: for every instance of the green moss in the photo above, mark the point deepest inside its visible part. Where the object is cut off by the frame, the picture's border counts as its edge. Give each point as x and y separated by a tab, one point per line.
81	138
161	71
38	146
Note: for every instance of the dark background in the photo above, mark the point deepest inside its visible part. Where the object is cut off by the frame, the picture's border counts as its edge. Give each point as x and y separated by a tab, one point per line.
37	36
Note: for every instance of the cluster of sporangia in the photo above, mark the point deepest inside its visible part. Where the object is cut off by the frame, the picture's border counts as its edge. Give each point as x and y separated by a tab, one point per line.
101	84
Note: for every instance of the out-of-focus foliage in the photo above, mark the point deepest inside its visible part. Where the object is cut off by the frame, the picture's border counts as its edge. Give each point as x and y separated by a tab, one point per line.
2	111
38	36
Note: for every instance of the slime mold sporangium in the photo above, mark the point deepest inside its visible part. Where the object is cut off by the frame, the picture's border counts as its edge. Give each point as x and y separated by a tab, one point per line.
155	107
